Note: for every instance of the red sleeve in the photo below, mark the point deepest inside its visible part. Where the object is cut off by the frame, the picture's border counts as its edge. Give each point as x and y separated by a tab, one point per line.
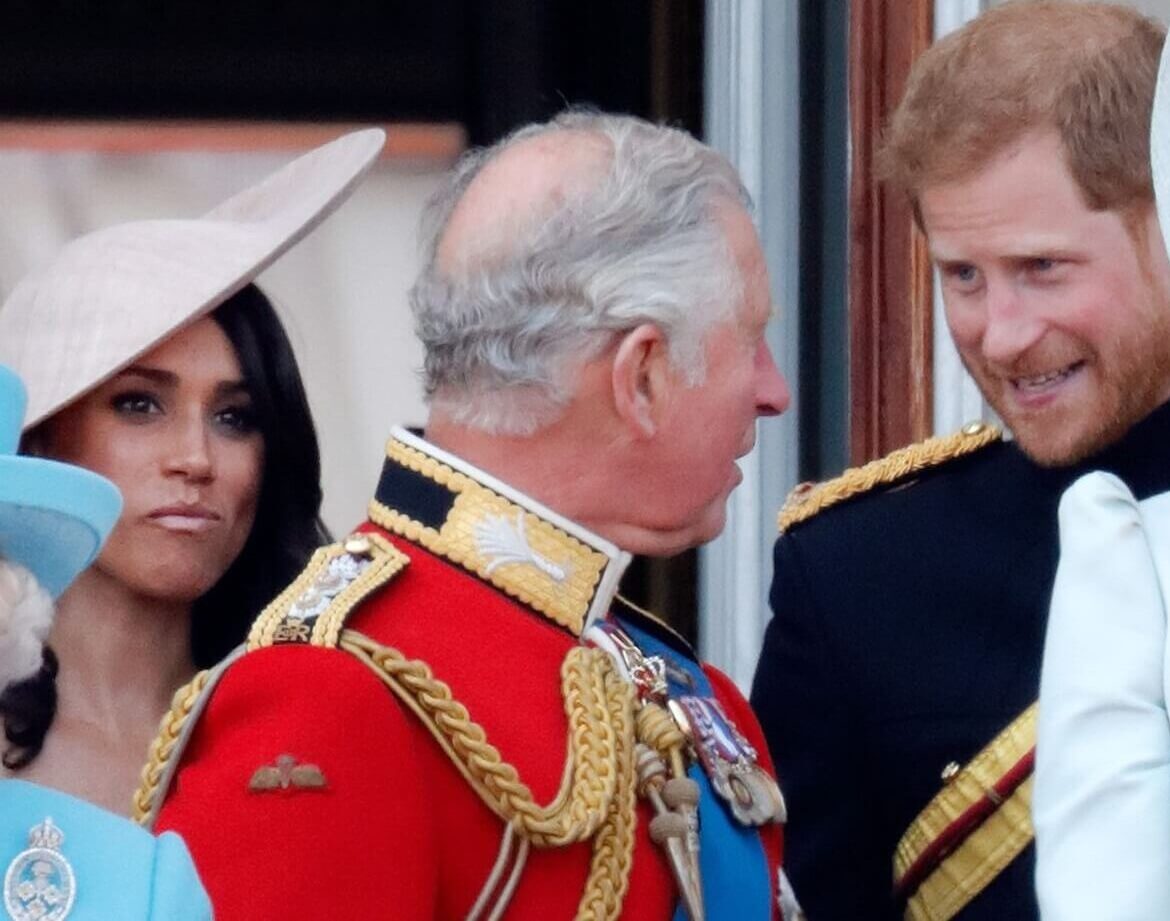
745	720
361	846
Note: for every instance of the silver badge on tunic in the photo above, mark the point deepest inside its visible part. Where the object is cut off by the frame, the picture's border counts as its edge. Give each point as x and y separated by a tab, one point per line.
39	884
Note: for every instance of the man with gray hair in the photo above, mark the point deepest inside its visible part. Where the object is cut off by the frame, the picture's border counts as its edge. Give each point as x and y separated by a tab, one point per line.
452	713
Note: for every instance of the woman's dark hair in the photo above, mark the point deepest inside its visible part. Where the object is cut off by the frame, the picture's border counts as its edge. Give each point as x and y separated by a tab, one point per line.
288	525
27	708
287	529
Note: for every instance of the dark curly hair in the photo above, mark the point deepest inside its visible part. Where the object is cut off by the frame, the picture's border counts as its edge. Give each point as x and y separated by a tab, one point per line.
287	529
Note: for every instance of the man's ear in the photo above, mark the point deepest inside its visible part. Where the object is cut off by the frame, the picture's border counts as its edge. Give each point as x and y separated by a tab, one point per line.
641	378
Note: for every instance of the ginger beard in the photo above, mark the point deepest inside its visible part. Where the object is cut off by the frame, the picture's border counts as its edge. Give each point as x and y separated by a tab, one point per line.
1113	385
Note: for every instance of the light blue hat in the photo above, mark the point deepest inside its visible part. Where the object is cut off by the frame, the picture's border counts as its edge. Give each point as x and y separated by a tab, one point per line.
53	516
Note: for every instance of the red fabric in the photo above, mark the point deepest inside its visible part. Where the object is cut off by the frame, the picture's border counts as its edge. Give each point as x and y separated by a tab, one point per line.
741	714
398	832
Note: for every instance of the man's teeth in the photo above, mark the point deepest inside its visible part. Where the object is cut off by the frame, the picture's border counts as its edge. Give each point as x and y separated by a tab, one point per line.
1042	380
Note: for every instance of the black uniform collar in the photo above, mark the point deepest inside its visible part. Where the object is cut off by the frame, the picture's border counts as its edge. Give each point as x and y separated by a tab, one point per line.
1141	458
557	568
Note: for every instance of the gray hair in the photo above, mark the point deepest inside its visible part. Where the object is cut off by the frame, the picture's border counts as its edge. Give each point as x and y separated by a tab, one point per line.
505	336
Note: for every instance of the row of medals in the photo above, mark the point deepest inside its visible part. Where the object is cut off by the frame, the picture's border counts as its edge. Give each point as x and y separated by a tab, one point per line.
729	760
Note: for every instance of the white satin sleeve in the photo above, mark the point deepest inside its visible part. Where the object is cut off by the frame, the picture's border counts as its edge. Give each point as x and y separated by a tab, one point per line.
1102	795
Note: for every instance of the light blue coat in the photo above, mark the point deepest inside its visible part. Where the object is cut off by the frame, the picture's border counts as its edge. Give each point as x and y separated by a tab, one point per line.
120	871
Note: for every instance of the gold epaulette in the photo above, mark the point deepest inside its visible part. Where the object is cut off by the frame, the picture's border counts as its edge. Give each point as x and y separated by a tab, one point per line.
809	499
339	577
312	611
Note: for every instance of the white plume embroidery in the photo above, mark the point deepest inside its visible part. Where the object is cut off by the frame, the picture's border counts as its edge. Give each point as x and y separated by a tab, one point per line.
501	541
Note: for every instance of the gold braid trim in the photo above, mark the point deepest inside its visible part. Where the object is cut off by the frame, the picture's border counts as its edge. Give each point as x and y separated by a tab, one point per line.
590	772
658	729
170	732
613	848
597	791
809	499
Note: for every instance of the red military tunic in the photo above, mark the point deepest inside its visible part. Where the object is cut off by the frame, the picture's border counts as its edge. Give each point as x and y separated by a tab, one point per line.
305	786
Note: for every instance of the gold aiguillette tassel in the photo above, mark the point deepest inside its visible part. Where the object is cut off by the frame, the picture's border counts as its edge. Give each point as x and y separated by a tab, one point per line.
676	832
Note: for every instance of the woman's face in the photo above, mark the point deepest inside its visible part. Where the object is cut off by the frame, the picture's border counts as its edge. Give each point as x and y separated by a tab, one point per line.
175	431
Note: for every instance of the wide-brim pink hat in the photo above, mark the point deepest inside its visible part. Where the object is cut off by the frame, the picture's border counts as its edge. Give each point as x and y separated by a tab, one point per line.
112	295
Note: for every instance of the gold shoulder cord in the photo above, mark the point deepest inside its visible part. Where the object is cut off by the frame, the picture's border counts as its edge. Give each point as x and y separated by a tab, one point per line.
810	499
597	795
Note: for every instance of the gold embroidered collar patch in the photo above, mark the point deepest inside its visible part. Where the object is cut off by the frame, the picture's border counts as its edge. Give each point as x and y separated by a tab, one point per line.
552	565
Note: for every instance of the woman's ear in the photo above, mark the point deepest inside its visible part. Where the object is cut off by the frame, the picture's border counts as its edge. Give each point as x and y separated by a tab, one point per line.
641	378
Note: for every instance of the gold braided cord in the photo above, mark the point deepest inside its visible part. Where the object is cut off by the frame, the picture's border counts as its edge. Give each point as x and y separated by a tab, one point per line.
613	848
597	796
170	731
590	777
658	729
598	790
807	500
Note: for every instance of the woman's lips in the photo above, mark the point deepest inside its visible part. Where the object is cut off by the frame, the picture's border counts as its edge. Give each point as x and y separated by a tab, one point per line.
187	519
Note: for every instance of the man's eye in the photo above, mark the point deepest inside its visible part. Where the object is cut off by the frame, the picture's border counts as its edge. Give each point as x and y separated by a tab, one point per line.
961	273
1041	264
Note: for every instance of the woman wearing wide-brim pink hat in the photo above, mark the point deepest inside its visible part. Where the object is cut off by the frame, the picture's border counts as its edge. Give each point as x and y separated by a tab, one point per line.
151	357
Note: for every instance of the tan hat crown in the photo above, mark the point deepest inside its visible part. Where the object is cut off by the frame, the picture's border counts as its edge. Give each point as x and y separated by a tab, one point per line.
112	295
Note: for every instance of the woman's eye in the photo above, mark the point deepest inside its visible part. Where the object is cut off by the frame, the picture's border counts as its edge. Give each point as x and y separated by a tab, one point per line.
240	420
135	404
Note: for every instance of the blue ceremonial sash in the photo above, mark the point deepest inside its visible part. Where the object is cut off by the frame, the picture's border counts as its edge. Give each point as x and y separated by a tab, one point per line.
736	879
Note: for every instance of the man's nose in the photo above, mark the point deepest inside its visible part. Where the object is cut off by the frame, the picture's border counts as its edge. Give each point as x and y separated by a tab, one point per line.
1010	329
772	393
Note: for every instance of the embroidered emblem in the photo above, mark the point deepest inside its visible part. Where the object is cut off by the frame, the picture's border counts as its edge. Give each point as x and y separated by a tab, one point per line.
286	774
500	542
39	884
291	630
729	761
330	582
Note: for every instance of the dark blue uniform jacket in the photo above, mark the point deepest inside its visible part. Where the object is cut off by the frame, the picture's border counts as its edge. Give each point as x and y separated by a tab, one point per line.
907	633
